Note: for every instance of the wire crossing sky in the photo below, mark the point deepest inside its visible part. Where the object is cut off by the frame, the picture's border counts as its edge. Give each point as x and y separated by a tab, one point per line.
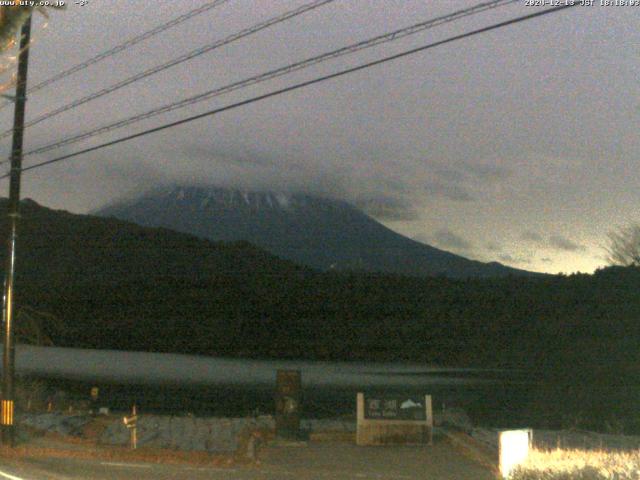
294	87
286	70
513	146
123	46
183	58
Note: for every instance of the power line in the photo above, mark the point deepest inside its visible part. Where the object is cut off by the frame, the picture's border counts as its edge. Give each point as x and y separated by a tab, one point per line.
123	46
181	59
301	85
380	39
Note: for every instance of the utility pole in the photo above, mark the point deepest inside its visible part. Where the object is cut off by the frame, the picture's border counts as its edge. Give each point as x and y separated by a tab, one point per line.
8	355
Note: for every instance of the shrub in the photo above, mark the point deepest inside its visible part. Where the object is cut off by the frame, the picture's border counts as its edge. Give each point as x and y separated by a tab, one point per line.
579	465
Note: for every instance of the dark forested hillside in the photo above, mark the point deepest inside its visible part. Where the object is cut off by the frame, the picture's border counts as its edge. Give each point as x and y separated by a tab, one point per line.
113	284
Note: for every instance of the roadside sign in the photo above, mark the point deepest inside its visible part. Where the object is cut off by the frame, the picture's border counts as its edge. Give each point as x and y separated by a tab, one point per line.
403	419
395	408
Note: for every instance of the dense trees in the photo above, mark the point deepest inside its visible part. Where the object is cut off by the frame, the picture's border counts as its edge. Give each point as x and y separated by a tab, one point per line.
115	285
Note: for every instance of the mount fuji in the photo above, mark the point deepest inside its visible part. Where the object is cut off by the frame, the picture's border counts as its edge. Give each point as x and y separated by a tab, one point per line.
313	231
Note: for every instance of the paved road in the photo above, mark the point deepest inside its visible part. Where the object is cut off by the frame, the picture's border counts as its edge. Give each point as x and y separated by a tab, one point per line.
314	462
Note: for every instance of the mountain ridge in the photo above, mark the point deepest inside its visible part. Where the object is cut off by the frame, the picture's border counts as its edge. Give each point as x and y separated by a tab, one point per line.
314	231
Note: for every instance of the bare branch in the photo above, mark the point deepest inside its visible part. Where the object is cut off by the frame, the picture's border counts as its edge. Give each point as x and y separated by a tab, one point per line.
624	246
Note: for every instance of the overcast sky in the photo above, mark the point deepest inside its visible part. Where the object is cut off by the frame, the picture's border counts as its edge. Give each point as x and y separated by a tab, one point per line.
520	145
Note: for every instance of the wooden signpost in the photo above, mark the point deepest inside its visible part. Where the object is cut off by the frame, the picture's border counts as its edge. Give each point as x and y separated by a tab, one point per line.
288	400
395	419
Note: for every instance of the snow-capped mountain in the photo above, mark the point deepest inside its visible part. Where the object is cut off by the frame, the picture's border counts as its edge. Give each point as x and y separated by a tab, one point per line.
318	232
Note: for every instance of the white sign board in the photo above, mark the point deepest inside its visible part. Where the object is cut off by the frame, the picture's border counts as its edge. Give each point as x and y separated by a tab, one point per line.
394	419
514	449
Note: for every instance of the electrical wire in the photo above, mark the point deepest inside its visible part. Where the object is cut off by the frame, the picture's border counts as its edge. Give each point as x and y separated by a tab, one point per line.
123	46
350	49
183	58
301	85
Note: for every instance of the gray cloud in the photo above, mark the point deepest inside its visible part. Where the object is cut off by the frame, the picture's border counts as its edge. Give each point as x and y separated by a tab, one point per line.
454	182
511	259
242	155
531	236
387	208
562	243
470	171
487	172
445	238
452	192
450	174
556	242
378	195
493	247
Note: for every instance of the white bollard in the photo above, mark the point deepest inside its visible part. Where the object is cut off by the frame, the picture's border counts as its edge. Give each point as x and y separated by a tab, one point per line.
514	449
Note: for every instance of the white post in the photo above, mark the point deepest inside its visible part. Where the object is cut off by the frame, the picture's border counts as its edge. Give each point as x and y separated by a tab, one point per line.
360	418
514	449
429	416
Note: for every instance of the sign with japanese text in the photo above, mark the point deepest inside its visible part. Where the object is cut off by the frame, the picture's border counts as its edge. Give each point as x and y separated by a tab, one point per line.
395	408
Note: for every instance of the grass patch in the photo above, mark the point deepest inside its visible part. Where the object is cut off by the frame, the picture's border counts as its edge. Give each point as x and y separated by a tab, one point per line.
579	465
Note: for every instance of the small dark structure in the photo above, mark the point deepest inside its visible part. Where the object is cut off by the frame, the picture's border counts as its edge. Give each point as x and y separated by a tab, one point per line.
288	403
